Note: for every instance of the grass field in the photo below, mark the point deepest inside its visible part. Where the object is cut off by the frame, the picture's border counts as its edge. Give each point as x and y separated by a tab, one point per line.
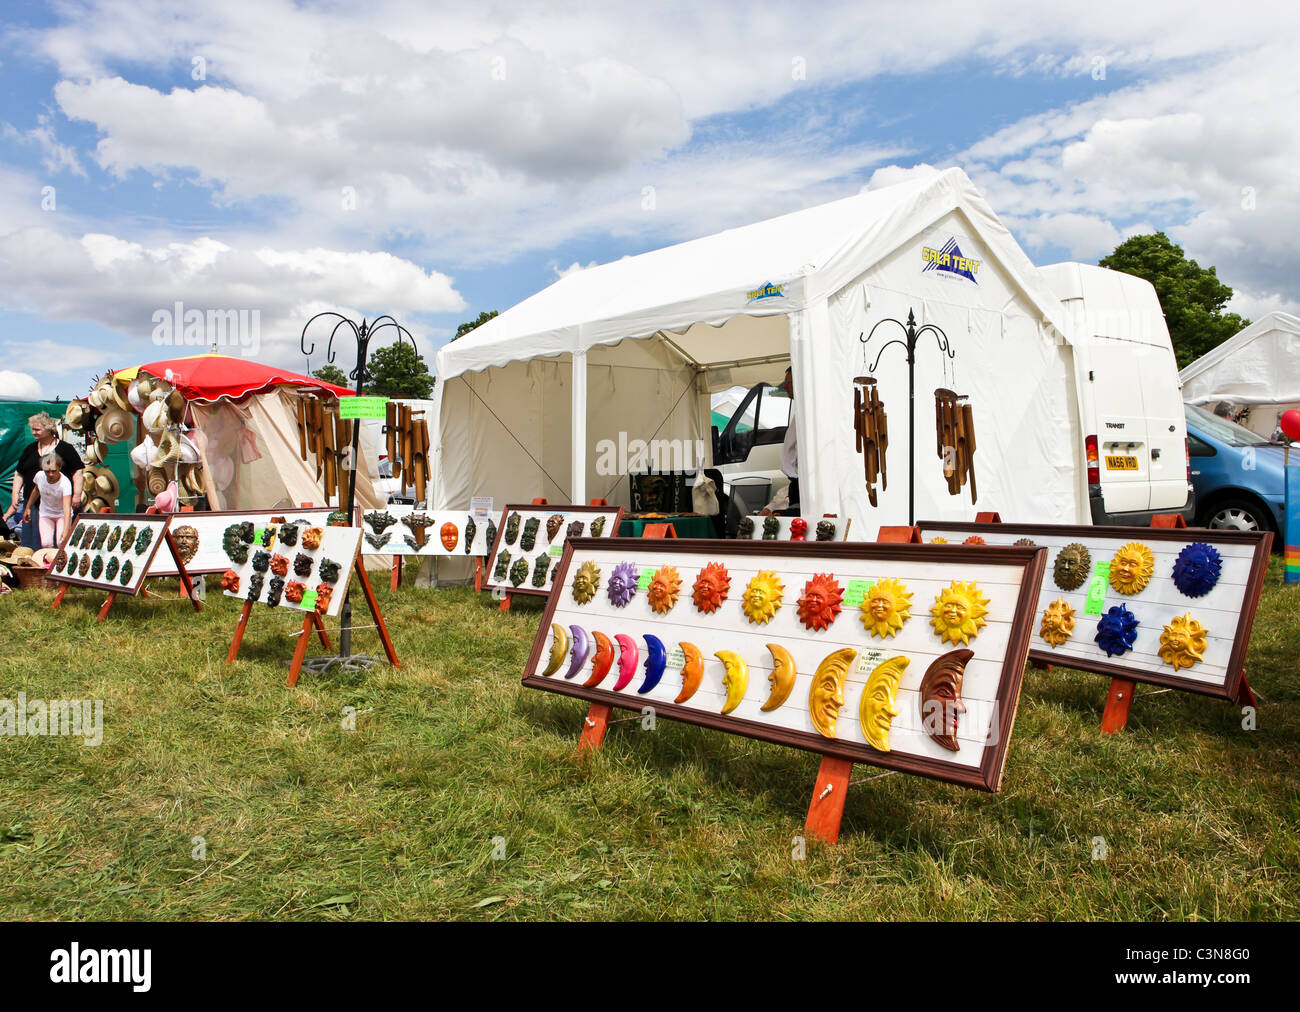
460	795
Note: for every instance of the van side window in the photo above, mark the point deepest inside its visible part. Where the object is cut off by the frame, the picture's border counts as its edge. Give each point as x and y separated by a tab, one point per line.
1199	447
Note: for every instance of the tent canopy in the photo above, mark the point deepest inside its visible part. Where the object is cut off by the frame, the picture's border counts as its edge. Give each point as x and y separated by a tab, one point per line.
211	376
533	402
1259	365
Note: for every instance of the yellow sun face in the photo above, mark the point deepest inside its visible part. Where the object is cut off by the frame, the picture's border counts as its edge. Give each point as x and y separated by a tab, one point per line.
1058	622
886	605
959	612
763	597
1183	642
1131	568
938	541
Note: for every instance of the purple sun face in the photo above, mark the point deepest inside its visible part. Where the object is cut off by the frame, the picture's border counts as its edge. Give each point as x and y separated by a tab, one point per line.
1197	568
1116	631
622	584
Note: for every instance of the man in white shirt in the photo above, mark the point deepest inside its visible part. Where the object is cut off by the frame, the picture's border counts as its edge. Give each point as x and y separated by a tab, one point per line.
790	449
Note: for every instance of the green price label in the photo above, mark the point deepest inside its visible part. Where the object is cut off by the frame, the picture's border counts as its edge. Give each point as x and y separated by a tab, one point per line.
1097	588
308	599
362	407
647	575
258	534
556	551
855	592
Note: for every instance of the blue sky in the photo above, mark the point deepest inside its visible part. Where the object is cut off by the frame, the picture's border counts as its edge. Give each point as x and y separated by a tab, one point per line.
433	161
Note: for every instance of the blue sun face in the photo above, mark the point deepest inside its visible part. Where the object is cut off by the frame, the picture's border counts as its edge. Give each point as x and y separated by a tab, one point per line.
1197	569
1116	631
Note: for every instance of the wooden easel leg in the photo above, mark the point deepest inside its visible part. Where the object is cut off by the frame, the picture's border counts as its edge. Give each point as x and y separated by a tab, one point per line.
187	585
397	573
374	610
300	651
320	630
505	604
1245	696
239	632
58	598
830	792
1040	664
108	603
594	726
478	577
1115	716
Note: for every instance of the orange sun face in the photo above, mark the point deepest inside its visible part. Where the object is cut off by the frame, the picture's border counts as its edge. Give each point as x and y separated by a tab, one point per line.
885	607
959	612
711	588
664	588
820	602
1058	622
763	597
1183	642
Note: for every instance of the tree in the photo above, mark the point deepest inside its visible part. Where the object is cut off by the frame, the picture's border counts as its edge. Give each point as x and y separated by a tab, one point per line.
397	371
465	328
1191	296
331	374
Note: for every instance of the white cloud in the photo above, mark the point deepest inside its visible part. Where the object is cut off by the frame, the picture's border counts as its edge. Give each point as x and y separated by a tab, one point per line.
573	268
47	355
18	386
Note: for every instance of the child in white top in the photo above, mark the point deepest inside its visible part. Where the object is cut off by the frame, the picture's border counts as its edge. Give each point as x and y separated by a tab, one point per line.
55	493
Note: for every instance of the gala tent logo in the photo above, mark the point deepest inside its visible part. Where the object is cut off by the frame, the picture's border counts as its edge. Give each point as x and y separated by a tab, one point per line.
948	259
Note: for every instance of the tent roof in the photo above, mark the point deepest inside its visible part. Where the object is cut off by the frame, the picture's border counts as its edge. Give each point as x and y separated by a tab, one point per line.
210	376
811	254
1261	365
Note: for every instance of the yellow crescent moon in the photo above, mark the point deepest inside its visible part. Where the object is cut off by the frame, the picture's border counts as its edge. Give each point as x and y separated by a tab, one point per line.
782	676
559	648
735	680
827	693
879	705
692	671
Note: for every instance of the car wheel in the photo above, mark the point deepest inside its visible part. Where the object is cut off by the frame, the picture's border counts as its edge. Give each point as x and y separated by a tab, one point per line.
1237	515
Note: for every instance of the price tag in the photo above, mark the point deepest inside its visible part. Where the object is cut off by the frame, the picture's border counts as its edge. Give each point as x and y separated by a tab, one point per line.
677	657
1097	588
647	575
869	660
258	533
362	407
556	551
855	592
480	506
309	600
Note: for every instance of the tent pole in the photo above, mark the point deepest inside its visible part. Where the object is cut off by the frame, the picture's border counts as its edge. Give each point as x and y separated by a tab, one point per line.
578	430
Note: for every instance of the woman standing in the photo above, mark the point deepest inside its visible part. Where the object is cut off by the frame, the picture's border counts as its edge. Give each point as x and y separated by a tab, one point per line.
45	439
54	493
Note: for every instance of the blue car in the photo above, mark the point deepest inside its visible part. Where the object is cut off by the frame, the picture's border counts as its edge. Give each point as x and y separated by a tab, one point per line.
1237	475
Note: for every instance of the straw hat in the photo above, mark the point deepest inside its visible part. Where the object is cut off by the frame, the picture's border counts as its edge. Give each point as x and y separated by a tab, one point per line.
155	416
118	391
96	504
156	478
192	480
106	486
19	555
169	448
76	415
104	395
44	557
142	456
168	499
114	424
176	406
7	547
94	453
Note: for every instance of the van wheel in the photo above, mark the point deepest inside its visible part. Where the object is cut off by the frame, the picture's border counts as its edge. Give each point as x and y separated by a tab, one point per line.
1237	515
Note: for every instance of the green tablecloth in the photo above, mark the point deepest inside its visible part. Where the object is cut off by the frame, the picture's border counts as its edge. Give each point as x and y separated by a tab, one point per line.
686	527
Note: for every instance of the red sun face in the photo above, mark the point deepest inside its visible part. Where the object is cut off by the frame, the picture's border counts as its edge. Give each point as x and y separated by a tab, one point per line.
820	601
711	588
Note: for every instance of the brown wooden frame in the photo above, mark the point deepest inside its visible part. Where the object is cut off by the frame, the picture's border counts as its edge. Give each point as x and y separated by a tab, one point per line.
987	776
1263	542
524	588
327	510
97	518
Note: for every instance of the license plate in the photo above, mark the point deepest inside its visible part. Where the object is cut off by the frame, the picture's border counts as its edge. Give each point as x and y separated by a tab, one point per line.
1121	463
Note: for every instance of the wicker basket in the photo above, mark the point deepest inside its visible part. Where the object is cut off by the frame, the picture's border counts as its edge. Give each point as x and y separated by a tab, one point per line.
30	577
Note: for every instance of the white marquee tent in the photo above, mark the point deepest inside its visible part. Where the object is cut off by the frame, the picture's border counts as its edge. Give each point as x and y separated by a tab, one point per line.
1259	367
634	349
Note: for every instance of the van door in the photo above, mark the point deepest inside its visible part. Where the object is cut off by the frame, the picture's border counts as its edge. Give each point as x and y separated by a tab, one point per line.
1124	463
1166	427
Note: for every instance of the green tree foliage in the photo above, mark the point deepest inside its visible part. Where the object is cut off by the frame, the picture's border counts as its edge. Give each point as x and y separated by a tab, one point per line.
1191	296
465	328
331	374
397	371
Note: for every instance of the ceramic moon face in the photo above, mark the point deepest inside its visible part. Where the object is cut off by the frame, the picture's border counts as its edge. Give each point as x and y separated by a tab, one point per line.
941	705
879	704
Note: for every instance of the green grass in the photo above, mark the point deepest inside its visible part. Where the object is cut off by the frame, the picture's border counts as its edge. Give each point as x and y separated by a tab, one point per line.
396	819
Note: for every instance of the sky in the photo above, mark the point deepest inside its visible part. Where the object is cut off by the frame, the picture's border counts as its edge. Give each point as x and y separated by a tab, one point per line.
433	161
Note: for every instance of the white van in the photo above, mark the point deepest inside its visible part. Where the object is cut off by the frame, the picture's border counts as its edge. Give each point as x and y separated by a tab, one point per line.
1131	404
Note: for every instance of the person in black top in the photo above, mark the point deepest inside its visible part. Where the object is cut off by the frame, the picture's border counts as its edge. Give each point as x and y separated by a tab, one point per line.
45	439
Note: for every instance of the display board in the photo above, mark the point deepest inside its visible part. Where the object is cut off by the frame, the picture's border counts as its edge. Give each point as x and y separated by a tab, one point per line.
111	551
292	566
405	529
534	535
200	536
776	528
1188	599
863	652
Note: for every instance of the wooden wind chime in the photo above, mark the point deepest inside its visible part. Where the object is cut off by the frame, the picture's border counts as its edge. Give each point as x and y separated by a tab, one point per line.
323	433
408	446
954	428
871	429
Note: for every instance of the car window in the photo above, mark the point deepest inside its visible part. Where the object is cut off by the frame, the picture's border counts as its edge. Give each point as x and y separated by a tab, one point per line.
1199	447
1222	429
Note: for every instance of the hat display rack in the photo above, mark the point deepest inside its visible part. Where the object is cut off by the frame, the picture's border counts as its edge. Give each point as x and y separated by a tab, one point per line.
954	424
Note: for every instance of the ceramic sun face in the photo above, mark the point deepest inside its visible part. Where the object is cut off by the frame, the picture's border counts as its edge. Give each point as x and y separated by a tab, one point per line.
622	584
711	588
1197	569
820	602
886	605
1072	565
586	582
1131	568
1183	642
664	588
1117	631
959	612
763	597
938	541
1058	622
